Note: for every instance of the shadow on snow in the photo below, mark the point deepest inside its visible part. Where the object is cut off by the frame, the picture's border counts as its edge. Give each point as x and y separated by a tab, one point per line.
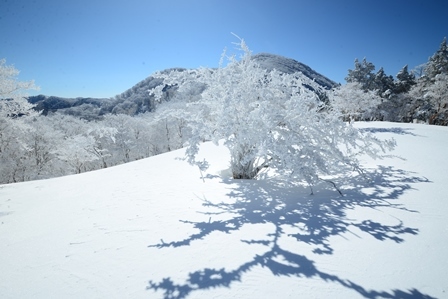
395	130
318	217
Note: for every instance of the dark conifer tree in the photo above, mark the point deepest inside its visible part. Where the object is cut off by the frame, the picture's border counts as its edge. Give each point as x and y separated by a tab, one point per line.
382	82
438	63
362	73
405	80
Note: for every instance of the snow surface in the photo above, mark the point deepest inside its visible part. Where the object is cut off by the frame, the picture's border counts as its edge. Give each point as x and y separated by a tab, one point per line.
155	228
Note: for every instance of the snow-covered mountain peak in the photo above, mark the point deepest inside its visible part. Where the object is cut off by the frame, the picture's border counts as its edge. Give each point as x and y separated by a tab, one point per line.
290	66
137	99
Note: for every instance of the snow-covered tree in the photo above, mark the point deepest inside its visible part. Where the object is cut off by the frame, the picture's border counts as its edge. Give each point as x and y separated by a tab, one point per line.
437	95
405	80
419	70
12	152
427	98
42	142
268	120
14	111
77	155
363	74
104	139
383	83
353	102
74	146
13	101
438	63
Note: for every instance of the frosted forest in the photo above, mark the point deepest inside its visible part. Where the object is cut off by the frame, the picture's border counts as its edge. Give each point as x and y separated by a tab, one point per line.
290	123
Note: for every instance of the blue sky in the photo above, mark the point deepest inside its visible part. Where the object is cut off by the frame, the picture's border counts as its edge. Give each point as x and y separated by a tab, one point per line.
98	48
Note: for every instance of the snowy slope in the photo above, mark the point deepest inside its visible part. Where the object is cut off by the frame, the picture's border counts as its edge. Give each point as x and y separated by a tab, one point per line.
155	229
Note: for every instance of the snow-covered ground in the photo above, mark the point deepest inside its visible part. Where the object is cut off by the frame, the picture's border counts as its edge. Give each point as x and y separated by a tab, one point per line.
155	229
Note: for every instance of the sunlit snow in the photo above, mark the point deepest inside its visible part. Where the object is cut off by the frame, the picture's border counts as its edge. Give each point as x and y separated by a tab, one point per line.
158	228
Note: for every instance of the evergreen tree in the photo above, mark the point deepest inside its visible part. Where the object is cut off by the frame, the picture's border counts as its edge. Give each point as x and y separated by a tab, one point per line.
438	63
382	82
427	96
405	80
363	73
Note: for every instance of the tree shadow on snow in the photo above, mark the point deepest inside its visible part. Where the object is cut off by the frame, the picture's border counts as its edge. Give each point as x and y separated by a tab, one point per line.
396	130
316	218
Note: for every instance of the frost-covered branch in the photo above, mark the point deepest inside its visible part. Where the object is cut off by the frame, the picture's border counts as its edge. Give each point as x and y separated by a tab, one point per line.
267	119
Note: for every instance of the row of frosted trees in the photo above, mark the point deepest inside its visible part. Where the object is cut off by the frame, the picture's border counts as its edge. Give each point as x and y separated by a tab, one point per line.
268	120
33	146
417	95
38	147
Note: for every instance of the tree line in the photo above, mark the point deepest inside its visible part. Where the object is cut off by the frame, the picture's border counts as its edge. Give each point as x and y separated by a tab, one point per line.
34	146
419	95
270	121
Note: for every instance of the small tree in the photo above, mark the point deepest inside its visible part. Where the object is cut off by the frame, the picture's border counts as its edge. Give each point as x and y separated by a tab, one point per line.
353	102
268	120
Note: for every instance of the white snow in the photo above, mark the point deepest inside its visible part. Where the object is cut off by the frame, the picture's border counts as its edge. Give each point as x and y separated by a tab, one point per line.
155	229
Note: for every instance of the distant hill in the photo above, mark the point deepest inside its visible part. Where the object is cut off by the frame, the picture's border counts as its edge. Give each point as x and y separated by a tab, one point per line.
137	99
89	108
290	66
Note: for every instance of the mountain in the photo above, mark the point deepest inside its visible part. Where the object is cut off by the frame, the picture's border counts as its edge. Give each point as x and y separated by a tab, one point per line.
290	66
89	108
137	100
154	228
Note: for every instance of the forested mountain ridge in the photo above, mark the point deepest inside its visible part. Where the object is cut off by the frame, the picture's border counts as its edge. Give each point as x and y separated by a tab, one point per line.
138	100
88	108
